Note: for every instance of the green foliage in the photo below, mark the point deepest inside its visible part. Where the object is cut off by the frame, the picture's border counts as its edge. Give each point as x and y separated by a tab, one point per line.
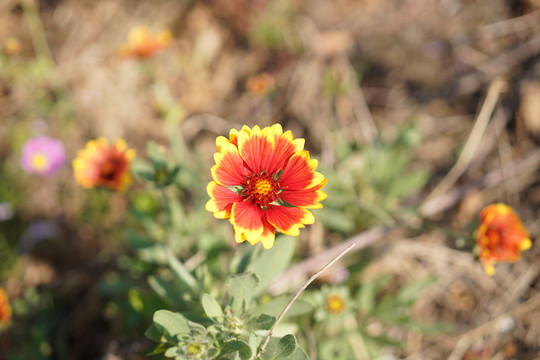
241	290
273	27
234	331
276	258
370	186
280	349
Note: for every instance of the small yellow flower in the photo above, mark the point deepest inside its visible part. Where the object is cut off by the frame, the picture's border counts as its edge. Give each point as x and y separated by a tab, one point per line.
12	46
335	303
5	310
143	43
501	236
102	164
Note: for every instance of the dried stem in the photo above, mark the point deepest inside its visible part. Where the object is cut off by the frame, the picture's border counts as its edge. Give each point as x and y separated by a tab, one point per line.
298	293
466	156
360	241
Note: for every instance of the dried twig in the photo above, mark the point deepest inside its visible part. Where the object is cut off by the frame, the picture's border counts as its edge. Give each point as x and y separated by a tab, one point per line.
510	26
501	323
359	242
466	156
298	293
526	165
498	66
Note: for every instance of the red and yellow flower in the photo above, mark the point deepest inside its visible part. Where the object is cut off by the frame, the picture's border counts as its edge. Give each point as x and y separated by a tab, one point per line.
5	310
103	164
501	236
143	43
263	181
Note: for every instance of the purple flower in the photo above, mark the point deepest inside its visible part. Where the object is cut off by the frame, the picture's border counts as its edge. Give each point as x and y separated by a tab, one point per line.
42	155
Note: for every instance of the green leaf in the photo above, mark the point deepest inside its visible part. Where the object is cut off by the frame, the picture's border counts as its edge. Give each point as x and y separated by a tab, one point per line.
138	241
275	306
180	270
298	354
282	349
153	333
253	342
172	323
157	157
408	294
211	307
164	289
408	183
142	168
241	288
243	349
272	262
436	328
287	345
366	297
336	220
347	346
161	348
172	352
261	322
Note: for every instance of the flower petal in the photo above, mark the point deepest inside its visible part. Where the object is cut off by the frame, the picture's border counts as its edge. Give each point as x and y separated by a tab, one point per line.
488	266
284	148
308	198
229	169
256	149
246	218
221	200
269	234
299	173
289	220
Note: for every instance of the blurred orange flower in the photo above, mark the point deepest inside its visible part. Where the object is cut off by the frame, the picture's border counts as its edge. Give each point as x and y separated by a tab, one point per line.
12	46
261	84
143	43
5	310
102	164
501	236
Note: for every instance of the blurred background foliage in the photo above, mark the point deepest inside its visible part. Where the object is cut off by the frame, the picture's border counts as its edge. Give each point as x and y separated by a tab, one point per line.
384	92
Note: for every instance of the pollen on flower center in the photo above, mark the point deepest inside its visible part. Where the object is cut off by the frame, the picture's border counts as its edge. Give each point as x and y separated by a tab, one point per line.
40	162
261	189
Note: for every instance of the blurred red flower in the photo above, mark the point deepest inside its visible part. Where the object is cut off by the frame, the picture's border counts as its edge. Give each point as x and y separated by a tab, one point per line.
501	236
5	310
104	164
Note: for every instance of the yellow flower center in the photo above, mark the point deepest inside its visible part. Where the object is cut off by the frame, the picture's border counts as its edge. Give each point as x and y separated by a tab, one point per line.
335	304
40	162
261	189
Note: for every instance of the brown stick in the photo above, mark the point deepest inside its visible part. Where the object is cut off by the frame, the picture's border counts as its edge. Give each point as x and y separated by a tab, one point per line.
477	132
359	241
298	293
